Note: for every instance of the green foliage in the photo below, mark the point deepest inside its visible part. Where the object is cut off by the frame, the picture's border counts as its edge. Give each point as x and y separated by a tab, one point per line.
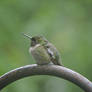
65	23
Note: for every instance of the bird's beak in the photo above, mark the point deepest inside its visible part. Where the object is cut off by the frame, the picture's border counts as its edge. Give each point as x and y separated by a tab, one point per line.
27	36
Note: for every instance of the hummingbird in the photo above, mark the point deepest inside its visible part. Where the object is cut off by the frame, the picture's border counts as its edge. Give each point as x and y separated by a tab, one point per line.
43	51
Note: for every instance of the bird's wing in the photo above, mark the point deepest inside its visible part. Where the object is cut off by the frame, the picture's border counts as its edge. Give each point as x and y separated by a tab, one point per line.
54	54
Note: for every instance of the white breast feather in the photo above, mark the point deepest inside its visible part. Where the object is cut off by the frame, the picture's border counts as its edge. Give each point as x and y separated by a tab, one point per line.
32	48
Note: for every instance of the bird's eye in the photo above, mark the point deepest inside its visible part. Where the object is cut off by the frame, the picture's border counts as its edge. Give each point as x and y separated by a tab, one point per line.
33	39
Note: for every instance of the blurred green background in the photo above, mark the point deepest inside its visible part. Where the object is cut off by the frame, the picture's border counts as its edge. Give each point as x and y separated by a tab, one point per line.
65	23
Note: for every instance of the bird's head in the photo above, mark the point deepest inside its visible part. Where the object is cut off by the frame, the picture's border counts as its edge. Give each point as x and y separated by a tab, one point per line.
37	40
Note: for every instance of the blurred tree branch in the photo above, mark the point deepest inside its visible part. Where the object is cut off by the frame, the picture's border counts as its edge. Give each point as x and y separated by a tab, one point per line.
54	70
